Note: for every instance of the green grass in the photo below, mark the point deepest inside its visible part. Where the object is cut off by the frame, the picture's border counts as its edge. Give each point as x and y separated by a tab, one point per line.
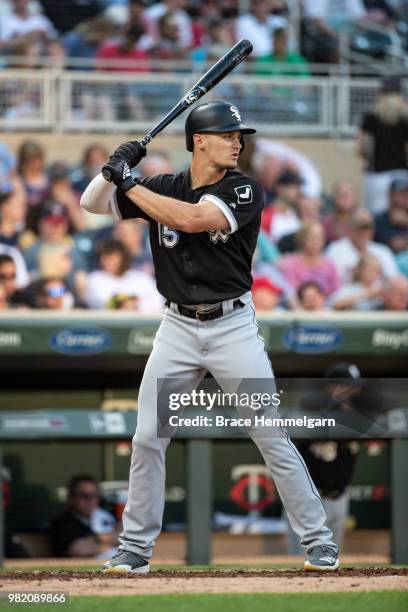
376	601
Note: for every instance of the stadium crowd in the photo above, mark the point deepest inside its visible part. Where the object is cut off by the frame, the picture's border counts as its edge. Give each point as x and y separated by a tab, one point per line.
316	250
141	31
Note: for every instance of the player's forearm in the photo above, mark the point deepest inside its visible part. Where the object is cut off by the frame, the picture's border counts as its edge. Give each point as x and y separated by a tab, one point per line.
97	196
174	213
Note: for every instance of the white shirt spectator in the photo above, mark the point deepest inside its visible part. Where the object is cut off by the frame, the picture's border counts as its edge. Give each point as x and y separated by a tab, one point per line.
102	286
183	20
308	172
259	33
336	13
283	223
23	278
13	25
345	257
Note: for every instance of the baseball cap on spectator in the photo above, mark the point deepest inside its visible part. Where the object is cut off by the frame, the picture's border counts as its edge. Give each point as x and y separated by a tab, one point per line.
289	178
399	184
342	369
53	212
58	171
263	282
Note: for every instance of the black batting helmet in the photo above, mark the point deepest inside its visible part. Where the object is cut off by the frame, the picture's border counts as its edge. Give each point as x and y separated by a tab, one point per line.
214	116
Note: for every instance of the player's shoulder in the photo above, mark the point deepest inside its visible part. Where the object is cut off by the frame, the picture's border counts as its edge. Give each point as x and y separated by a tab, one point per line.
245	188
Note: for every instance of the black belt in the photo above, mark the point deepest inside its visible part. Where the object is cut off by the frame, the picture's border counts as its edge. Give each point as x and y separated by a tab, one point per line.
202	314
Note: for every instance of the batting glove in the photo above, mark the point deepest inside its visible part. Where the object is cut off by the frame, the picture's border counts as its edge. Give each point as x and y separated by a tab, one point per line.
118	168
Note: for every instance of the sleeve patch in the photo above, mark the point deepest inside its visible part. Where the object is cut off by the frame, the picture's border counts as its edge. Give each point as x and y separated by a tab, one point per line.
244	194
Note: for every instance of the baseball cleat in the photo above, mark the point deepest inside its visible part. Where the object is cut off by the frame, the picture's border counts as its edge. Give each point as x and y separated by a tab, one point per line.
125	562
321	559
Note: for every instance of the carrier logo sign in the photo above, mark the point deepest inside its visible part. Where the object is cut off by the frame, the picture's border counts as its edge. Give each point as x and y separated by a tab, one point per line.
81	341
312	338
244	194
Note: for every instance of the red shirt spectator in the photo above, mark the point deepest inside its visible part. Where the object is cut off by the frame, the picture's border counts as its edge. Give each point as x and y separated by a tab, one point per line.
132	58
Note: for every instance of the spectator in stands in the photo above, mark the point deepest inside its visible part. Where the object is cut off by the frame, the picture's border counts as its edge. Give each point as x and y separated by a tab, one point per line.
4	303
265	295
282	62
7	168
21	27
308	209
344	204
258	25
13	210
13	269
324	19
54	254
84	529
158	162
8	276
62	192
290	159
116	277
395	294
179	16
281	217
346	252
365	292
137	17
67	14
383	143
309	262
124	53
379	11
85	40
94	157
311	296
131	233
50	294
32	170
168	46
267	169
391	227
216	43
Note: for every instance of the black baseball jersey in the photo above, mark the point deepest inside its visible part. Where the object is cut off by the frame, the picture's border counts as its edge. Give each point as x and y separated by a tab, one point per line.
204	267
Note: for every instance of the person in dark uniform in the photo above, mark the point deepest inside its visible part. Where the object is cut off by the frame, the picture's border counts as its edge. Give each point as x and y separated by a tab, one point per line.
204	224
331	462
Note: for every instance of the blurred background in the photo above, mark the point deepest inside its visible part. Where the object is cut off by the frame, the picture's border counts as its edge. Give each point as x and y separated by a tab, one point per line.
326	88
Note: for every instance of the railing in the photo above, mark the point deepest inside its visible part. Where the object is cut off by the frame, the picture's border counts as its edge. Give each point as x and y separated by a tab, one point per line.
71	100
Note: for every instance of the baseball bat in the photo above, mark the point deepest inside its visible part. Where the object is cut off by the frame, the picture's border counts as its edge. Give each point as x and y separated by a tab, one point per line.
214	75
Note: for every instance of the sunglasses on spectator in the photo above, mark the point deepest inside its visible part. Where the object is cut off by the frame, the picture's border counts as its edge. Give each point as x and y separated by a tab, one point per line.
4	277
87	495
55	292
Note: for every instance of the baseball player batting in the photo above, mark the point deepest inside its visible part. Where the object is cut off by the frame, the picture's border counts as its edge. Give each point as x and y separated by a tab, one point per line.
204	225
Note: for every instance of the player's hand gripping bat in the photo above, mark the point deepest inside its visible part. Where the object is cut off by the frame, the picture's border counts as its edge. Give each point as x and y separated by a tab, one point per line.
214	75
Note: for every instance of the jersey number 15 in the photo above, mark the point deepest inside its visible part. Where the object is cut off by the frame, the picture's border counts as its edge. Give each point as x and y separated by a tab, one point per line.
167	236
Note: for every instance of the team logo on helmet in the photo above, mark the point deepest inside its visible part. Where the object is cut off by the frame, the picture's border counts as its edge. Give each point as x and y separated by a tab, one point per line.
235	113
